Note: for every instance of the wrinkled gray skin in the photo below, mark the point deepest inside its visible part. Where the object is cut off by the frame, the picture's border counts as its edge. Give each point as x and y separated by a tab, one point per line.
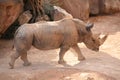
63	34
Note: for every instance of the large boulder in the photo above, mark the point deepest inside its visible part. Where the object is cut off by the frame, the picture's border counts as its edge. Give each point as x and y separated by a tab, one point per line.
9	12
104	6
109	6
24	17
61	13
94	7
78	8
83	8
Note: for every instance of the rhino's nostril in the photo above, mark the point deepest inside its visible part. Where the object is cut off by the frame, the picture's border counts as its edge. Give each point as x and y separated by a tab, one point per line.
98	49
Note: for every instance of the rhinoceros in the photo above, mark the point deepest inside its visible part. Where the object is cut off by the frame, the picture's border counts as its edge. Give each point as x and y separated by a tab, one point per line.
63	34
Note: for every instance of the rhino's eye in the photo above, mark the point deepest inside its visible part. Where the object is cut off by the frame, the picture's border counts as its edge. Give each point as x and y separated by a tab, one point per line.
93	40
99	38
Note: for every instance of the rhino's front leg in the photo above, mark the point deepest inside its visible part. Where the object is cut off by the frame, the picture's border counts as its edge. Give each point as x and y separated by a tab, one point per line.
78	51
25	59
13	58
62	52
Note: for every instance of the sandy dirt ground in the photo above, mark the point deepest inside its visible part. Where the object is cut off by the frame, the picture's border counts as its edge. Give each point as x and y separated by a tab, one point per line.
102	65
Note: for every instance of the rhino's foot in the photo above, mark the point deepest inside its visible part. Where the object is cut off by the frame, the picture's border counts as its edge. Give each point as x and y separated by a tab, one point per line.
27	64
81	59
62	62
11	66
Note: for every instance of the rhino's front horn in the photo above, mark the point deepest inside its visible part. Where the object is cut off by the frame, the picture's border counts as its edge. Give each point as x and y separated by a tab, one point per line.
102	40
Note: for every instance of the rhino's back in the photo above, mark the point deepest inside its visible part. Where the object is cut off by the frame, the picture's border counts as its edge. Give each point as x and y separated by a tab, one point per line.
52	35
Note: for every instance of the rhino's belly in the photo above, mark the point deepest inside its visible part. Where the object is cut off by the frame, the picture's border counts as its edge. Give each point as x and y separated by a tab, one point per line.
46	45
48	42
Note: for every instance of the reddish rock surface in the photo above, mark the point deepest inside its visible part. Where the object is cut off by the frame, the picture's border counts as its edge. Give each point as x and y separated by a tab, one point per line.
9	12
82	8
10	9
78	8
111	6
94	7
61	13
24	17
104	6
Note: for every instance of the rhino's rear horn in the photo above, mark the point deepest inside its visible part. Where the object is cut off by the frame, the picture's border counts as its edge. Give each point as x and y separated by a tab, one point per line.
89	26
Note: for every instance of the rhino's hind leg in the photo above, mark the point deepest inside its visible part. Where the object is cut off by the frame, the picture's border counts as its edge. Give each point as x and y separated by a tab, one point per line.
13	58
61	54
77	50
25	59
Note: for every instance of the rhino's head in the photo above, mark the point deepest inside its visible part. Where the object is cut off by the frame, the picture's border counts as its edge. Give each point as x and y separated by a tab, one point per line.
93	41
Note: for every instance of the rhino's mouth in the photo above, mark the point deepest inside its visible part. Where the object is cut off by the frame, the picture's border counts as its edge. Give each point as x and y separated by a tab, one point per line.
96	49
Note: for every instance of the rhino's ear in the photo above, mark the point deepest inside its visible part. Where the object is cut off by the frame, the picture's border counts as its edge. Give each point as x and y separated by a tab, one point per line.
89	26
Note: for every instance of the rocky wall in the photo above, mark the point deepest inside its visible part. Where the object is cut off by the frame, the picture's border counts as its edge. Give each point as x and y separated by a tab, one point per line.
9	12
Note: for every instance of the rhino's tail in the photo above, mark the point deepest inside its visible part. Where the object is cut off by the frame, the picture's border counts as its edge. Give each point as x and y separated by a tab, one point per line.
12	46
14	38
